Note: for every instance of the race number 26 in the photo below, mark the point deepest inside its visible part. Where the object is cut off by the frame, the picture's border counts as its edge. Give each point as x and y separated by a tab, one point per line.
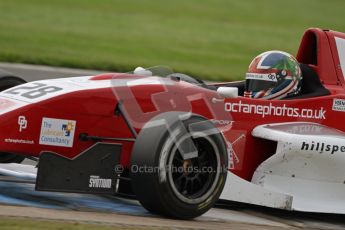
33	91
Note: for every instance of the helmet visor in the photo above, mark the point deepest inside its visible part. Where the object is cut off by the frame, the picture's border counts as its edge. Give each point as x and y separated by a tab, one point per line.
258	85
256	82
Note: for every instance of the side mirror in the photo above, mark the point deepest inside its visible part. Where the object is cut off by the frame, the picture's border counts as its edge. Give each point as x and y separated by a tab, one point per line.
141	71
228	92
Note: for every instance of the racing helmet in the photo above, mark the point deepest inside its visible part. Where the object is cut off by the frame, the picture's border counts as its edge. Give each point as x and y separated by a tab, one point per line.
273	75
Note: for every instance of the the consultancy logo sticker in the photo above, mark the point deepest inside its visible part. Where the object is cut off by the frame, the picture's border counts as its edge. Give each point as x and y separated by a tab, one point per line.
272	110
57	132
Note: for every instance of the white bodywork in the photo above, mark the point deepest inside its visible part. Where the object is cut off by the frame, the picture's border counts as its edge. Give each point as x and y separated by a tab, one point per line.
11	101
306	173
15	98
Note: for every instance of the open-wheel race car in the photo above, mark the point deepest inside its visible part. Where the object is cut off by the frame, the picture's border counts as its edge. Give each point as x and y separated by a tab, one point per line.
179	144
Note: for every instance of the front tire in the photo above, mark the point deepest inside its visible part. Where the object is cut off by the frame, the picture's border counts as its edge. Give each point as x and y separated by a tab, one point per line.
167	184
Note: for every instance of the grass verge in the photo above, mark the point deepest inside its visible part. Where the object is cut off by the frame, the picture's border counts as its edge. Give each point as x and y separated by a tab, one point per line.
212	39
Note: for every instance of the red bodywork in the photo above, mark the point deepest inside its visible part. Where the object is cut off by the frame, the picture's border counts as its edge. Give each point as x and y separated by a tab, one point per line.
94	110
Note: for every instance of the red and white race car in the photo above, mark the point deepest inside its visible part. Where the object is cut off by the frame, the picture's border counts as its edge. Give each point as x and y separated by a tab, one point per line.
179	144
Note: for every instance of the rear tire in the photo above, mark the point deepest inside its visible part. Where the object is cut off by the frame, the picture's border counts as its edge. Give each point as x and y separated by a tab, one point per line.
6	82
178	188
11	158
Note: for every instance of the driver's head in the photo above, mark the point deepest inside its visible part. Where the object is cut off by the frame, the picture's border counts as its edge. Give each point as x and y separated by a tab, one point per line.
273	75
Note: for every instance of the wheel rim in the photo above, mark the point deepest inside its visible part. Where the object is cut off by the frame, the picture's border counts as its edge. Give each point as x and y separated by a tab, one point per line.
194	180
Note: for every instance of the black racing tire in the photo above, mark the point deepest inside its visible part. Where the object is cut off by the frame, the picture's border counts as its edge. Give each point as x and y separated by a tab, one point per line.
6	82
162	180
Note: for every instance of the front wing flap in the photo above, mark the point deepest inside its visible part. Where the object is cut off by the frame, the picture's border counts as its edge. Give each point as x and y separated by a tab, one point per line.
93	171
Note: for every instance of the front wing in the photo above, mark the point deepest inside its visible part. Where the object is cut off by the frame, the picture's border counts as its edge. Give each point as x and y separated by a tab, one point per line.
306	173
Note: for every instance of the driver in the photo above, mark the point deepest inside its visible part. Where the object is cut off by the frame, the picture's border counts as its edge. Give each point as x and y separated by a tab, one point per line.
273	75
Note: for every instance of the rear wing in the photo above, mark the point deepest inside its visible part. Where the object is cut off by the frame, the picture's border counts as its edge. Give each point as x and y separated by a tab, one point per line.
324	51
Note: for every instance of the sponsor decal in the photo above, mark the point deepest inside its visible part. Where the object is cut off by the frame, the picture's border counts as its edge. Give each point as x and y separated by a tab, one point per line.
19	141
97	182
266	77
221	122
57	132
22	122
232	155
305	129
271	110
338	105
322	147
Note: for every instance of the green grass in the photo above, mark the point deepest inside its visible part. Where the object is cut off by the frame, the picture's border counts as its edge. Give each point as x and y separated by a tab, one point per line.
214	39
14	223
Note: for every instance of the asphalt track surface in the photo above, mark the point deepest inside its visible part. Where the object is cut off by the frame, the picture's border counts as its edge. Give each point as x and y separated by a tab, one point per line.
18	197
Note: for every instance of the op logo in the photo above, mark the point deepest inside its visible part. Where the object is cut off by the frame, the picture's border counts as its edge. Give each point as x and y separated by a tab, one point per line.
22	122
